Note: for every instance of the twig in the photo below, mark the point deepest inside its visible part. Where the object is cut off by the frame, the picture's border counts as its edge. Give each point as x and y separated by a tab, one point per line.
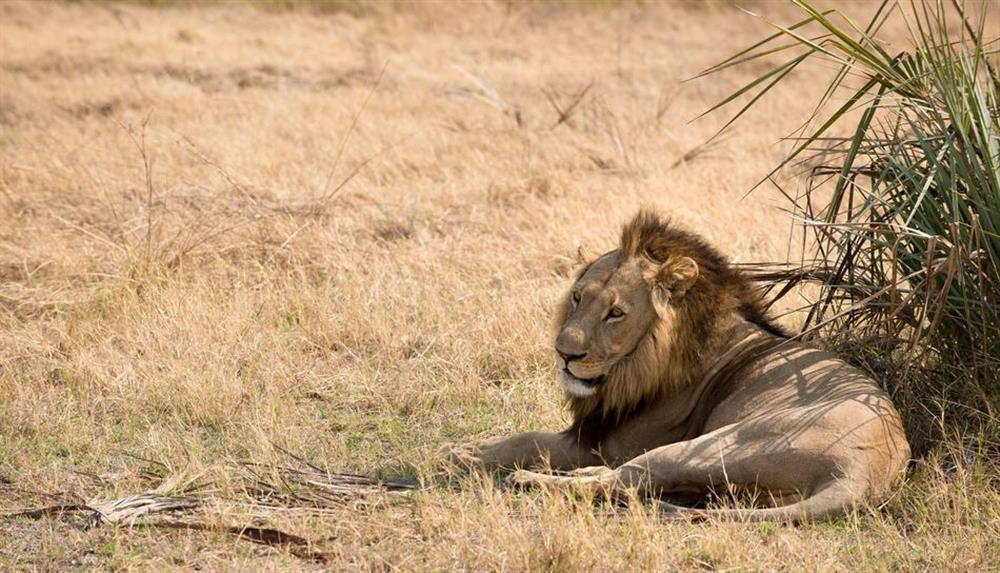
147	164
325	194
194	150
491	96
39	512
565	113
695	151
138	511
295	544
335	192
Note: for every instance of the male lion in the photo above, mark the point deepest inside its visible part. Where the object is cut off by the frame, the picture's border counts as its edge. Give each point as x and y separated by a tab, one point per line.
679	385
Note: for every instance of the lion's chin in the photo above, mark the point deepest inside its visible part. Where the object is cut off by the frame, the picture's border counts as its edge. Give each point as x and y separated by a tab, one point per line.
576	387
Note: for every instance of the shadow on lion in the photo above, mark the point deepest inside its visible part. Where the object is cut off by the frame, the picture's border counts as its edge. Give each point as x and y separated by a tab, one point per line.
680	386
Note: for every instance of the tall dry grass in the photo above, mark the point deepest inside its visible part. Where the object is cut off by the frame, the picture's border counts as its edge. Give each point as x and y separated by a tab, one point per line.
227	234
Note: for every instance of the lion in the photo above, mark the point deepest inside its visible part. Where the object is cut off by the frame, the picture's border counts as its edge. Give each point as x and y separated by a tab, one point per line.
680	386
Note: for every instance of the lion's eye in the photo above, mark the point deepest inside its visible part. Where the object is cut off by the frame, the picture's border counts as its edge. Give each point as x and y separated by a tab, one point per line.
616	313
576	297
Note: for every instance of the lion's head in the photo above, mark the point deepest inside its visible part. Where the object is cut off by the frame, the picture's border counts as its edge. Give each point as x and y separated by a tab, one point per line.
636	319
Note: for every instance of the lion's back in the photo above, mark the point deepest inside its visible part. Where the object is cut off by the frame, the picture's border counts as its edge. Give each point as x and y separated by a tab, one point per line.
796	376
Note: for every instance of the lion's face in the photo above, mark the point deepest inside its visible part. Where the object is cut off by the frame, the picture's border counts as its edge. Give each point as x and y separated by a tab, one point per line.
608	312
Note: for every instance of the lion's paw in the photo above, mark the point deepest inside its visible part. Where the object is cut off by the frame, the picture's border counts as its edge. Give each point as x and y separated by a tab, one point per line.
590	478
525	478
461	456
592	471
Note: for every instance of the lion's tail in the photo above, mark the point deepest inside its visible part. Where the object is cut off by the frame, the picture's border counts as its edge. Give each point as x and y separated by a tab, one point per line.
833	499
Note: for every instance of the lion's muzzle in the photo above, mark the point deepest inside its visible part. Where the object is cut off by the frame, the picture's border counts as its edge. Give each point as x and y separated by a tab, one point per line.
579	386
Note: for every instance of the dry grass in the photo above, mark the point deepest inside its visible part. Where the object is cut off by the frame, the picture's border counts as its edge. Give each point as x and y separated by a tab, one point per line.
225	232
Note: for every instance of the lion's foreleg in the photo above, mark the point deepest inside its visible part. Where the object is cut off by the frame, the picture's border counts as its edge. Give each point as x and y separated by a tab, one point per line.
597	480
716	460
559	451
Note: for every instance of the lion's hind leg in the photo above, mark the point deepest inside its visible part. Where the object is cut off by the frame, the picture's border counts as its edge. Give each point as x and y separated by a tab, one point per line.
803	466
805	472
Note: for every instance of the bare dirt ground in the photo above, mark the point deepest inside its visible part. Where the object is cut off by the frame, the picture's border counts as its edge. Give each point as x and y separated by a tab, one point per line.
228	233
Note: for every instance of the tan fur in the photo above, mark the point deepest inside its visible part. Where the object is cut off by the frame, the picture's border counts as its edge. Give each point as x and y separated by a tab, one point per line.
657	366
679	385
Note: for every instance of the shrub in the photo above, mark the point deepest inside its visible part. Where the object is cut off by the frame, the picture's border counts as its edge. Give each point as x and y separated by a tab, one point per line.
904	212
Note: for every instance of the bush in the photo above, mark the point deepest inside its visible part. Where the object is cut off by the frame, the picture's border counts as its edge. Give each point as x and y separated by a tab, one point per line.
903	213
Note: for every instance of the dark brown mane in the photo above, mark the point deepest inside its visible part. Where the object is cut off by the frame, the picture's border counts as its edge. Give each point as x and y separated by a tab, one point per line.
655	238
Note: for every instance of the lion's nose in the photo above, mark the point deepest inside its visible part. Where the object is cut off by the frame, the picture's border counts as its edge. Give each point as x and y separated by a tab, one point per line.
571	357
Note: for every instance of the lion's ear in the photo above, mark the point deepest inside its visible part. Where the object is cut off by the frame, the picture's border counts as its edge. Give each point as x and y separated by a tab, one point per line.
583	259
672	280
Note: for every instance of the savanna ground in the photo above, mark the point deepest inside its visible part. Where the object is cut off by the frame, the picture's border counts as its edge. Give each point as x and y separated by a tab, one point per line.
228	233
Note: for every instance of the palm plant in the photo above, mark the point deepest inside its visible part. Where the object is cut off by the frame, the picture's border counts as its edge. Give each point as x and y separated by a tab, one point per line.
904	212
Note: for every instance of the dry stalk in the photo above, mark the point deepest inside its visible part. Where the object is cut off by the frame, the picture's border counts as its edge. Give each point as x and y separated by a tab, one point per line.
489	94
565	112
271	489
